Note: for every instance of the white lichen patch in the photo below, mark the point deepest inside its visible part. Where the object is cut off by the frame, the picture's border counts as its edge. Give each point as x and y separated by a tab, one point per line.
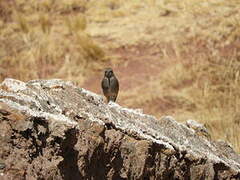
93	119
192	123
120	109
91	94
13	85
19	97
26	110
54	84
137	127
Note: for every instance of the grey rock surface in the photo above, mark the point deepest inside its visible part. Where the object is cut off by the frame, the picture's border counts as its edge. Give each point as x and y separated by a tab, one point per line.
51	129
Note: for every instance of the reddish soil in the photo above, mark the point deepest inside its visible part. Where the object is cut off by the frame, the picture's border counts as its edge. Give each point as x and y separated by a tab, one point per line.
136	65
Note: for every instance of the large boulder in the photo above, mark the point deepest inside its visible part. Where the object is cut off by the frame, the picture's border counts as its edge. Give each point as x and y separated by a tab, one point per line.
51	129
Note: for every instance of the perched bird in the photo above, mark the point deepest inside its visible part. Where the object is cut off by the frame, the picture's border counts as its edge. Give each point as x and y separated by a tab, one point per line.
110	85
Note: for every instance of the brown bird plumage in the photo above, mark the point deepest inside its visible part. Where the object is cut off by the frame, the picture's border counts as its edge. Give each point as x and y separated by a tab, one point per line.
110	85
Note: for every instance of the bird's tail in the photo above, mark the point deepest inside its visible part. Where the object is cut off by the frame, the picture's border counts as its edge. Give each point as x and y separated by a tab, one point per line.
112	98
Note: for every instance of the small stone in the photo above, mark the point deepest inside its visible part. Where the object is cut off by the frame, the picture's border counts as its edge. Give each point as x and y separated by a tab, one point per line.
4	112
199	128
169	152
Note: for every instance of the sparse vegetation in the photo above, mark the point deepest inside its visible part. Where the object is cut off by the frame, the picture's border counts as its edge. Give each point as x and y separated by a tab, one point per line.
198	43
46	40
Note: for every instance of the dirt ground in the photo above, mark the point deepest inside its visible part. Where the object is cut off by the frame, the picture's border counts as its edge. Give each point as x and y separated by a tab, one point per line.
137	66
138	62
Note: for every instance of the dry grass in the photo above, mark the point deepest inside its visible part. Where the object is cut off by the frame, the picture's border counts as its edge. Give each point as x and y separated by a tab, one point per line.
207	71
51	42
212	84
202	79
54	39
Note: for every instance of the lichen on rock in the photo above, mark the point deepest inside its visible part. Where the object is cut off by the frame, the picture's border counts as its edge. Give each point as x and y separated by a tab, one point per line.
51	129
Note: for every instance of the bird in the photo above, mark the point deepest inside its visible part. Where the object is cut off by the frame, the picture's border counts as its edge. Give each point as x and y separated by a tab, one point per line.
110	85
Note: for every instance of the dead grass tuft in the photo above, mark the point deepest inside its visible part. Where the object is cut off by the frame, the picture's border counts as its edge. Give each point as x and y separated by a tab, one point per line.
50	42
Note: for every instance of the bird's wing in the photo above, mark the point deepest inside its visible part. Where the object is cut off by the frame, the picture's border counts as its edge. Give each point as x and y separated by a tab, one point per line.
114	84
105	83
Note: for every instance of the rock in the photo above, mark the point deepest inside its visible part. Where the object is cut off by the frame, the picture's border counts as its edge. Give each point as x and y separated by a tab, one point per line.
198	128
4	112
55	130
2	165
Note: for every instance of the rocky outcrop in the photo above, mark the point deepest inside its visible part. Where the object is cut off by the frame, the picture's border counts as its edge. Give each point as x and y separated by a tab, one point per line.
51	129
